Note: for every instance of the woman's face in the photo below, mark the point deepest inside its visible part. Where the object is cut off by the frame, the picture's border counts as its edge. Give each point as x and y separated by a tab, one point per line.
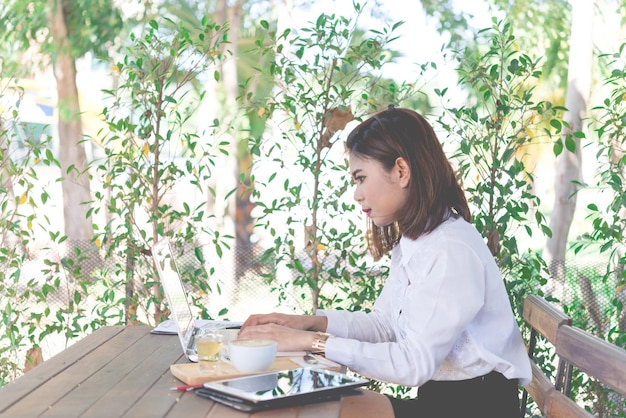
381	194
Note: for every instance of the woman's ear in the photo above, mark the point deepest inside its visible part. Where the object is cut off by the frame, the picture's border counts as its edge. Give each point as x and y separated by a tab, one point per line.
404	172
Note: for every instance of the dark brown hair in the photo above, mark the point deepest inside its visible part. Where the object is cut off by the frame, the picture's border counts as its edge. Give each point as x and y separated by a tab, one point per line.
434	192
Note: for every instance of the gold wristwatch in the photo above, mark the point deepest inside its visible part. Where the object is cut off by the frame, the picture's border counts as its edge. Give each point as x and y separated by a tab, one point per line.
319	343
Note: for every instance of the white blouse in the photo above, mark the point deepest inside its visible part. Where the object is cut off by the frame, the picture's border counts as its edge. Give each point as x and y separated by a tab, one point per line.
443	314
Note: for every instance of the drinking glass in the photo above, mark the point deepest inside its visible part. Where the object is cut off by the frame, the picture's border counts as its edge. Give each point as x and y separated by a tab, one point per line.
209	346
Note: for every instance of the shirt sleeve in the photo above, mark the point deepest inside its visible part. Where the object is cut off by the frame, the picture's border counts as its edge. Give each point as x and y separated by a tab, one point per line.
377	326
420	321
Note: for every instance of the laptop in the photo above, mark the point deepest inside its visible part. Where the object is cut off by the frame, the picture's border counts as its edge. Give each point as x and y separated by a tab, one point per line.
181	314
281	388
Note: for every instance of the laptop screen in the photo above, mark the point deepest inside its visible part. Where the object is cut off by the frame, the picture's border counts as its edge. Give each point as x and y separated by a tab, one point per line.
174	292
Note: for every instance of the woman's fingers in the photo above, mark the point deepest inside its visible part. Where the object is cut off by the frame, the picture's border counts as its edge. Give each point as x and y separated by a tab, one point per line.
292	321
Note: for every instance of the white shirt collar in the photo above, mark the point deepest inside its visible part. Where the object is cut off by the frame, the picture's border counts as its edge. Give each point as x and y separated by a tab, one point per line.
409	247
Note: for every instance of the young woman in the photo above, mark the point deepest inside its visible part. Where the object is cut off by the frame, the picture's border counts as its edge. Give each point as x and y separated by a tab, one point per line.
443	321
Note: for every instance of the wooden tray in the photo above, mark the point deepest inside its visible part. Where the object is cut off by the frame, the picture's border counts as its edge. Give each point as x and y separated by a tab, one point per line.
190	372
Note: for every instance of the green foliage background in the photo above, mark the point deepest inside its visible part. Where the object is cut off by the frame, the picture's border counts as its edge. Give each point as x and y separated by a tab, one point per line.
302	193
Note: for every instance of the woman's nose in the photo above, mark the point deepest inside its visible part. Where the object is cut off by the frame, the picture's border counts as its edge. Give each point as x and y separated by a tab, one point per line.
358	196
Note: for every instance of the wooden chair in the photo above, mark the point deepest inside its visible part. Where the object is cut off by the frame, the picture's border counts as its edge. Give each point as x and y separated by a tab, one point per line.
545	319
557	405
594	356
539	389
550	401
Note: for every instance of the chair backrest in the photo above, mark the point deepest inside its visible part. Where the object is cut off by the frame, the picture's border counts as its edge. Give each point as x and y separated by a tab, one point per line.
545	319
594	356
539	389
550	401
557	405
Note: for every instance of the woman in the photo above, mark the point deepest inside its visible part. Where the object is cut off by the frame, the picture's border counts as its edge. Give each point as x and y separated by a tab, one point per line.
443	321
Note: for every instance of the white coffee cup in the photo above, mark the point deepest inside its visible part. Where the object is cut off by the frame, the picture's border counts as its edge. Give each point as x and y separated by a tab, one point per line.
252	354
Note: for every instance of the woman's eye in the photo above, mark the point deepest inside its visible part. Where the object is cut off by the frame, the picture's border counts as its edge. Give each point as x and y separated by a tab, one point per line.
359	179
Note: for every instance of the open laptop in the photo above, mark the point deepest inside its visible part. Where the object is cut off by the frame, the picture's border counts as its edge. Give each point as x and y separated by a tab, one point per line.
181	313
280	389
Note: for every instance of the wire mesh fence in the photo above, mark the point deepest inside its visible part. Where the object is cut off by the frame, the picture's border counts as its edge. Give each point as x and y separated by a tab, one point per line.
591	294
241	284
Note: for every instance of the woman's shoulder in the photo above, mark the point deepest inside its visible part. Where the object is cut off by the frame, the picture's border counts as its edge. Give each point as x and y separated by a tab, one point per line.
453	228
458	229
452	235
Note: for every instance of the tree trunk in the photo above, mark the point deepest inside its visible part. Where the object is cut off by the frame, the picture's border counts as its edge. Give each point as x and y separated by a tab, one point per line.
568	169
239	205
6	184
72	157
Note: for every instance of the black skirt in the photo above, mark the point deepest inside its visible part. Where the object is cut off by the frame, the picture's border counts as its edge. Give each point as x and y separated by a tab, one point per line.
488	396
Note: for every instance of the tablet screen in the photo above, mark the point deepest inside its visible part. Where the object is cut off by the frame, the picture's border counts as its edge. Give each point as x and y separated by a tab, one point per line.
285	383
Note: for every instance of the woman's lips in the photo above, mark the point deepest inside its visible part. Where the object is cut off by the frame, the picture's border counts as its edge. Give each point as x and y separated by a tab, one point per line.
367	211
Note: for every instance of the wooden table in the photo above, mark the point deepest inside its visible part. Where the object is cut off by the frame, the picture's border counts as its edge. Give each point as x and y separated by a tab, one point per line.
122	372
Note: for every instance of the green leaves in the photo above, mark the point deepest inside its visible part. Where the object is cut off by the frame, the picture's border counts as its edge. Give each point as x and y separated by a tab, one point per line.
491	135
325	75
153	154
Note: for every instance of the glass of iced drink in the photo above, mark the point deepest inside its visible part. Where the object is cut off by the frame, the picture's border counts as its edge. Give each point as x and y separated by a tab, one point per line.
209	346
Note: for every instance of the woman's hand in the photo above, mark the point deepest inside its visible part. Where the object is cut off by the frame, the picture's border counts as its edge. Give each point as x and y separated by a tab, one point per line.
297	322
289	339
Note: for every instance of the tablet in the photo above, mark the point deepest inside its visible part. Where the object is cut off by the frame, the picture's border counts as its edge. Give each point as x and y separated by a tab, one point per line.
282	388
